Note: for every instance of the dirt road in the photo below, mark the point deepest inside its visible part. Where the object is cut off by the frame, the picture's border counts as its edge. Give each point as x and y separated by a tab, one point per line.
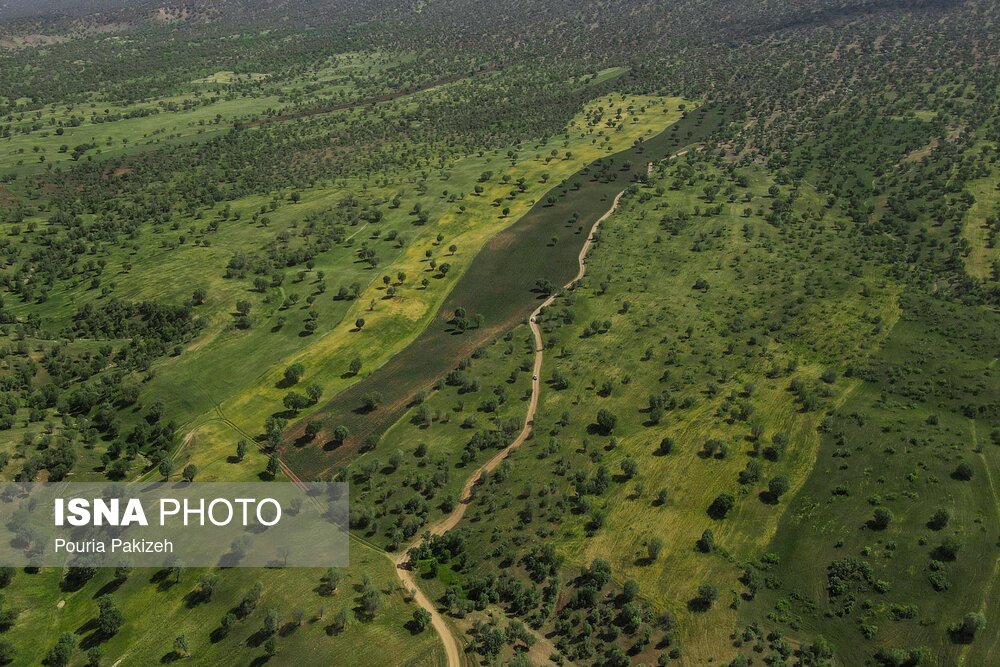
451	641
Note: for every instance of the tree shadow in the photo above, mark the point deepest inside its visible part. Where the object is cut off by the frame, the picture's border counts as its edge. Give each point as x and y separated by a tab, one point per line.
73	582
716	513
162	579
257	638
413	627
94	639
698	605
958	637
769	498
195	598
109	587
218	635
943	554
88	626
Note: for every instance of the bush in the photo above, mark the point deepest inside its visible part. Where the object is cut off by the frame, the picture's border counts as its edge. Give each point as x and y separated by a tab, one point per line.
963	472
721	506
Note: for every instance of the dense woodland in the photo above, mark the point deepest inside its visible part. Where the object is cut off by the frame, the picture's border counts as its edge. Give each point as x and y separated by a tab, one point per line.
216	217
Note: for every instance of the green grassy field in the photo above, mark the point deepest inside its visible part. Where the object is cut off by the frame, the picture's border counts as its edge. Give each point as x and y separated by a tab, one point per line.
392	323
414	476
213	384
895	444
55	144
768	425
982	255
219	385
634	329
157	609
544	244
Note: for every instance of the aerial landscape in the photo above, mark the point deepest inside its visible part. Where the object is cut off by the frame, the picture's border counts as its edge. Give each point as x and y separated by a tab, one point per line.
641	333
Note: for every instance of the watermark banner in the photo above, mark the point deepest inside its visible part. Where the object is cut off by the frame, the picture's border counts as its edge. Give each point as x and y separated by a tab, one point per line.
188	524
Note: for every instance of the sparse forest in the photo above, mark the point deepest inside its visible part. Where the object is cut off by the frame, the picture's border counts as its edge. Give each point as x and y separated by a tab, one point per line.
643	333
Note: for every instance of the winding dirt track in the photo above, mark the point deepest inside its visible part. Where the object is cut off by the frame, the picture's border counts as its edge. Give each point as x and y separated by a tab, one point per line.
451	640
452	643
